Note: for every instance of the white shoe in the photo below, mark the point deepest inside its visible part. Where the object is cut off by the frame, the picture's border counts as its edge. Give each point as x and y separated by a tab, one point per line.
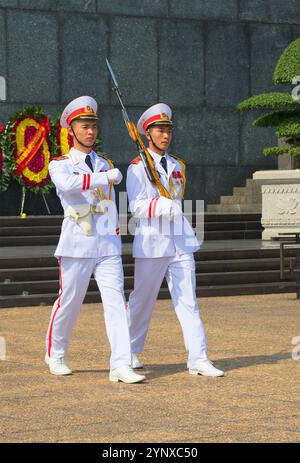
205	368
136	364
125	374
57	366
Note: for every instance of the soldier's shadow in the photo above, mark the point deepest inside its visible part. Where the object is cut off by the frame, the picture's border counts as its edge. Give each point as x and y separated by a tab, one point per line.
157	371
229	364
226	364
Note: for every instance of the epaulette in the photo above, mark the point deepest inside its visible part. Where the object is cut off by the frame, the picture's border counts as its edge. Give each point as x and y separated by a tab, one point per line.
136	160
178	158
60	158
110	162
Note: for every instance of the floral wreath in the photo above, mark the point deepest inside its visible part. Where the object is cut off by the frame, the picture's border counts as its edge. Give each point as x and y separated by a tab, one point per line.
4	164
27	148
27	145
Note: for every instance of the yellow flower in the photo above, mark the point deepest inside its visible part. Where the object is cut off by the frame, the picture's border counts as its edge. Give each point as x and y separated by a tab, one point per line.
35	177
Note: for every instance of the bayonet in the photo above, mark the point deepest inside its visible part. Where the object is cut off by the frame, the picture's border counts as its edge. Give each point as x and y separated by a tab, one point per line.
146	158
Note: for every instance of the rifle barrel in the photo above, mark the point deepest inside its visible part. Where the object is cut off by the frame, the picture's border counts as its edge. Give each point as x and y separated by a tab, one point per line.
127	122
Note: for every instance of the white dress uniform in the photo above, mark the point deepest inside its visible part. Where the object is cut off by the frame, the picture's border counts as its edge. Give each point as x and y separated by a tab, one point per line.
163	246
87	247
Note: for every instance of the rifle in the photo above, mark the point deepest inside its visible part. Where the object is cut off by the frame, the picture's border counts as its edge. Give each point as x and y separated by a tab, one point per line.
146	158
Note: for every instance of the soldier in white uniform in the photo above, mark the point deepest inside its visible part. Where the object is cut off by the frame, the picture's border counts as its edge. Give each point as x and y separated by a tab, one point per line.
89	244
163	245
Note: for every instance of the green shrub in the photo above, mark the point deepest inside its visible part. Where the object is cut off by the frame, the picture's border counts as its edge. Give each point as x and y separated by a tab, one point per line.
286	114
288	65
274	100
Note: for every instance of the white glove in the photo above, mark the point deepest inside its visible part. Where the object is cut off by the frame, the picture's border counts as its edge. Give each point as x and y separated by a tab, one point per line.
175	210
114	176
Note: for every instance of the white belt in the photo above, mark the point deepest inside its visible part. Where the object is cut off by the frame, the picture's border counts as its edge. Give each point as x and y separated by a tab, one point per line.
82	215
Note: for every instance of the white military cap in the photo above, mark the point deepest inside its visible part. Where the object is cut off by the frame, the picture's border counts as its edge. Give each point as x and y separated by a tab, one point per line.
158	114
84	107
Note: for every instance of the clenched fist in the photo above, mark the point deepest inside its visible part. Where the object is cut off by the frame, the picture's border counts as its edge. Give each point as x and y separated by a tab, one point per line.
176	210
114	176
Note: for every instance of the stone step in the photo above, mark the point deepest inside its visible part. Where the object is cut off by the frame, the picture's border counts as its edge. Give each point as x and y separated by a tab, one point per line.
229	265
56	220
17	261
48	299
247	289
31	222
20	288
9	276
204	291
28	230
232	235
54	231
252	186
34	280
53	239
246	225
40	240
243	200
255	208
45	230
245	192
239	190
40	231
250	183
232	217
28	240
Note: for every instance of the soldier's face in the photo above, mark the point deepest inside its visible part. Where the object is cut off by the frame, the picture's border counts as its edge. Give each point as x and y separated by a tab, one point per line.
86	131
161	136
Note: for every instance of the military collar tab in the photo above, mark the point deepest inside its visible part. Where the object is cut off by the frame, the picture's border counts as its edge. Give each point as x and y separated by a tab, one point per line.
76	156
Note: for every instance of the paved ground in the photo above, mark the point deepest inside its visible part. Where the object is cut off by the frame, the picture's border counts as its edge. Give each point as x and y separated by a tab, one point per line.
250	337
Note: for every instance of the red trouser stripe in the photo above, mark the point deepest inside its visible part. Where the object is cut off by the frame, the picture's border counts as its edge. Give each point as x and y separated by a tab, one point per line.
57	307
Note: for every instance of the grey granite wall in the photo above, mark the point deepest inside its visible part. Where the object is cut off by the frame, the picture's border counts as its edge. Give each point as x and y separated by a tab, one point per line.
200	56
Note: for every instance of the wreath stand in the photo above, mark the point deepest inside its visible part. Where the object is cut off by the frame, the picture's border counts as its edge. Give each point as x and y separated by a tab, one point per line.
23	202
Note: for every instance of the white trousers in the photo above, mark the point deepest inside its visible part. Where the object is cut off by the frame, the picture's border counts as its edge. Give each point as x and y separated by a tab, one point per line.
75	275
180	275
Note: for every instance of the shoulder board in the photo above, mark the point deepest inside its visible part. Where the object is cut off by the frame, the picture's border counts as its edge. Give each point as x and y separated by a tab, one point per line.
103	156
136	160
60	158
178	158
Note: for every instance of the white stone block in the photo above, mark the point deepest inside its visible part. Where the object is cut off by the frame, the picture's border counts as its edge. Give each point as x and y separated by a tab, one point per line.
280	202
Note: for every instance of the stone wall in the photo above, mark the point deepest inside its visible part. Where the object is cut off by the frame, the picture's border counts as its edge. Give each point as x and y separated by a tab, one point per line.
200	56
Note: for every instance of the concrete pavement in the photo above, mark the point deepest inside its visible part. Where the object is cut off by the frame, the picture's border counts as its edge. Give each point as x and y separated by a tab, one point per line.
250	337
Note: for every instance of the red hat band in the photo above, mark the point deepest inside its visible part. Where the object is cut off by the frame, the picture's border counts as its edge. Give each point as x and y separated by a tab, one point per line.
163	118
87	112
